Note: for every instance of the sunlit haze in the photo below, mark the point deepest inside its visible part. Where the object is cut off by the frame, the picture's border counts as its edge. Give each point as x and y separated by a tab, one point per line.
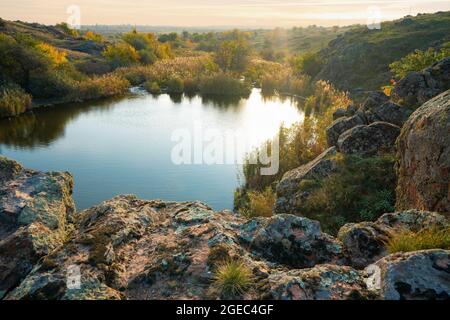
203	13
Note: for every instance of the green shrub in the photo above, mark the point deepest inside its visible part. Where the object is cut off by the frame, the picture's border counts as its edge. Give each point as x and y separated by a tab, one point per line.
434	237
309	63
260	204
223	84
51	84
191	85
362	189
232	278
152	87
13	101
417	61
174	85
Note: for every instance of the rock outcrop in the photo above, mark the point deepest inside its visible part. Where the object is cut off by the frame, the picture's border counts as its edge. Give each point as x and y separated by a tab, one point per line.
370	140
364	242
291	240
127	248
340	126
417	88
324	282
386	112
35	214
424	158
290	190
420	275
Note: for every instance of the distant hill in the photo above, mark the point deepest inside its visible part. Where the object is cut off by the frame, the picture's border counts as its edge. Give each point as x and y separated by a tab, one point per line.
297	40
76	47
360	57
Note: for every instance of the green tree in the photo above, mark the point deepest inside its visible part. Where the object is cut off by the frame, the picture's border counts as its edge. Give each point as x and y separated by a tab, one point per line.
233	55
121	55
308	63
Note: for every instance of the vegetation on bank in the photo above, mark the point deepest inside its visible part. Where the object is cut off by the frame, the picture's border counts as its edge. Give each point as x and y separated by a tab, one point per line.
13	101
361	190
434	237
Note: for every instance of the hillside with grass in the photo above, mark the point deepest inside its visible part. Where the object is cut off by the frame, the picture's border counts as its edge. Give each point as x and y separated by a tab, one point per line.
360	58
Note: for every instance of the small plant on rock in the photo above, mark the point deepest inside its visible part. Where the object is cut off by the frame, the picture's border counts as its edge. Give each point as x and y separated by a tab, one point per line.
232	278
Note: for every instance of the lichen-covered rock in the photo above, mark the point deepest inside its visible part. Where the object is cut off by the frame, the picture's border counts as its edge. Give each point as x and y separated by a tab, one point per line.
292	189
364	243
374	99
323	282
424	158
291	240
341	125
35	212
417	88
126	248
386	112
370	140
419	275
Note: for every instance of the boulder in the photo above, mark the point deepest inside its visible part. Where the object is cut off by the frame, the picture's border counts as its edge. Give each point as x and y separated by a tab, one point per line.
417	88
339	113
370	140
419	275
423	154
323	282
291	240
36	210
293	188
374	99
364	242
387	112
341	125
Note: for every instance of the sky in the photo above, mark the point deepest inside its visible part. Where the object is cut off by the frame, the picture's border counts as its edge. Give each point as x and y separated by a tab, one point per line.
207	13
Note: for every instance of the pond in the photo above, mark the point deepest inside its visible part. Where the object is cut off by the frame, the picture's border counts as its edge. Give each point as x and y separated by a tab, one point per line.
125	146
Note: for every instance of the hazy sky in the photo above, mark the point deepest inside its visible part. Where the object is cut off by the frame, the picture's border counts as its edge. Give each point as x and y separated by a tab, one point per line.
251	13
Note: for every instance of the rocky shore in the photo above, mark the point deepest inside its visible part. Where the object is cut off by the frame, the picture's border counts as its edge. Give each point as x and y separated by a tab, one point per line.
127	248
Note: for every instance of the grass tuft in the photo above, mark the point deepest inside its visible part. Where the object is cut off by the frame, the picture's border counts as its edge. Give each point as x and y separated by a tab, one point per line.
232	278
430	238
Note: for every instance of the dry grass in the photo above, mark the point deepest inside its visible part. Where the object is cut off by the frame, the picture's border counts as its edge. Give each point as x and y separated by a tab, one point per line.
232	278
13	101
430	238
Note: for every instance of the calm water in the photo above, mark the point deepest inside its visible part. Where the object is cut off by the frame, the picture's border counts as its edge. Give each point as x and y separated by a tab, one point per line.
124	146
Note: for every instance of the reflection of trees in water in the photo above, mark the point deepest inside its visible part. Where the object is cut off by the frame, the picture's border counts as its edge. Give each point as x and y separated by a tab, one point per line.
42	127
221	101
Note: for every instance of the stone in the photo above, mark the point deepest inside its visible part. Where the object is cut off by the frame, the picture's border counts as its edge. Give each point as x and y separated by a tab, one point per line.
423	156
417	88
323	282
419	275
126	248
36	211
387	112
291	240
341	125
364	242
369	140
339	113
292	189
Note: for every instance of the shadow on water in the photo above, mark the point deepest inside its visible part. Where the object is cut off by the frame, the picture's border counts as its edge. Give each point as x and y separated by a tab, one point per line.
44	126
